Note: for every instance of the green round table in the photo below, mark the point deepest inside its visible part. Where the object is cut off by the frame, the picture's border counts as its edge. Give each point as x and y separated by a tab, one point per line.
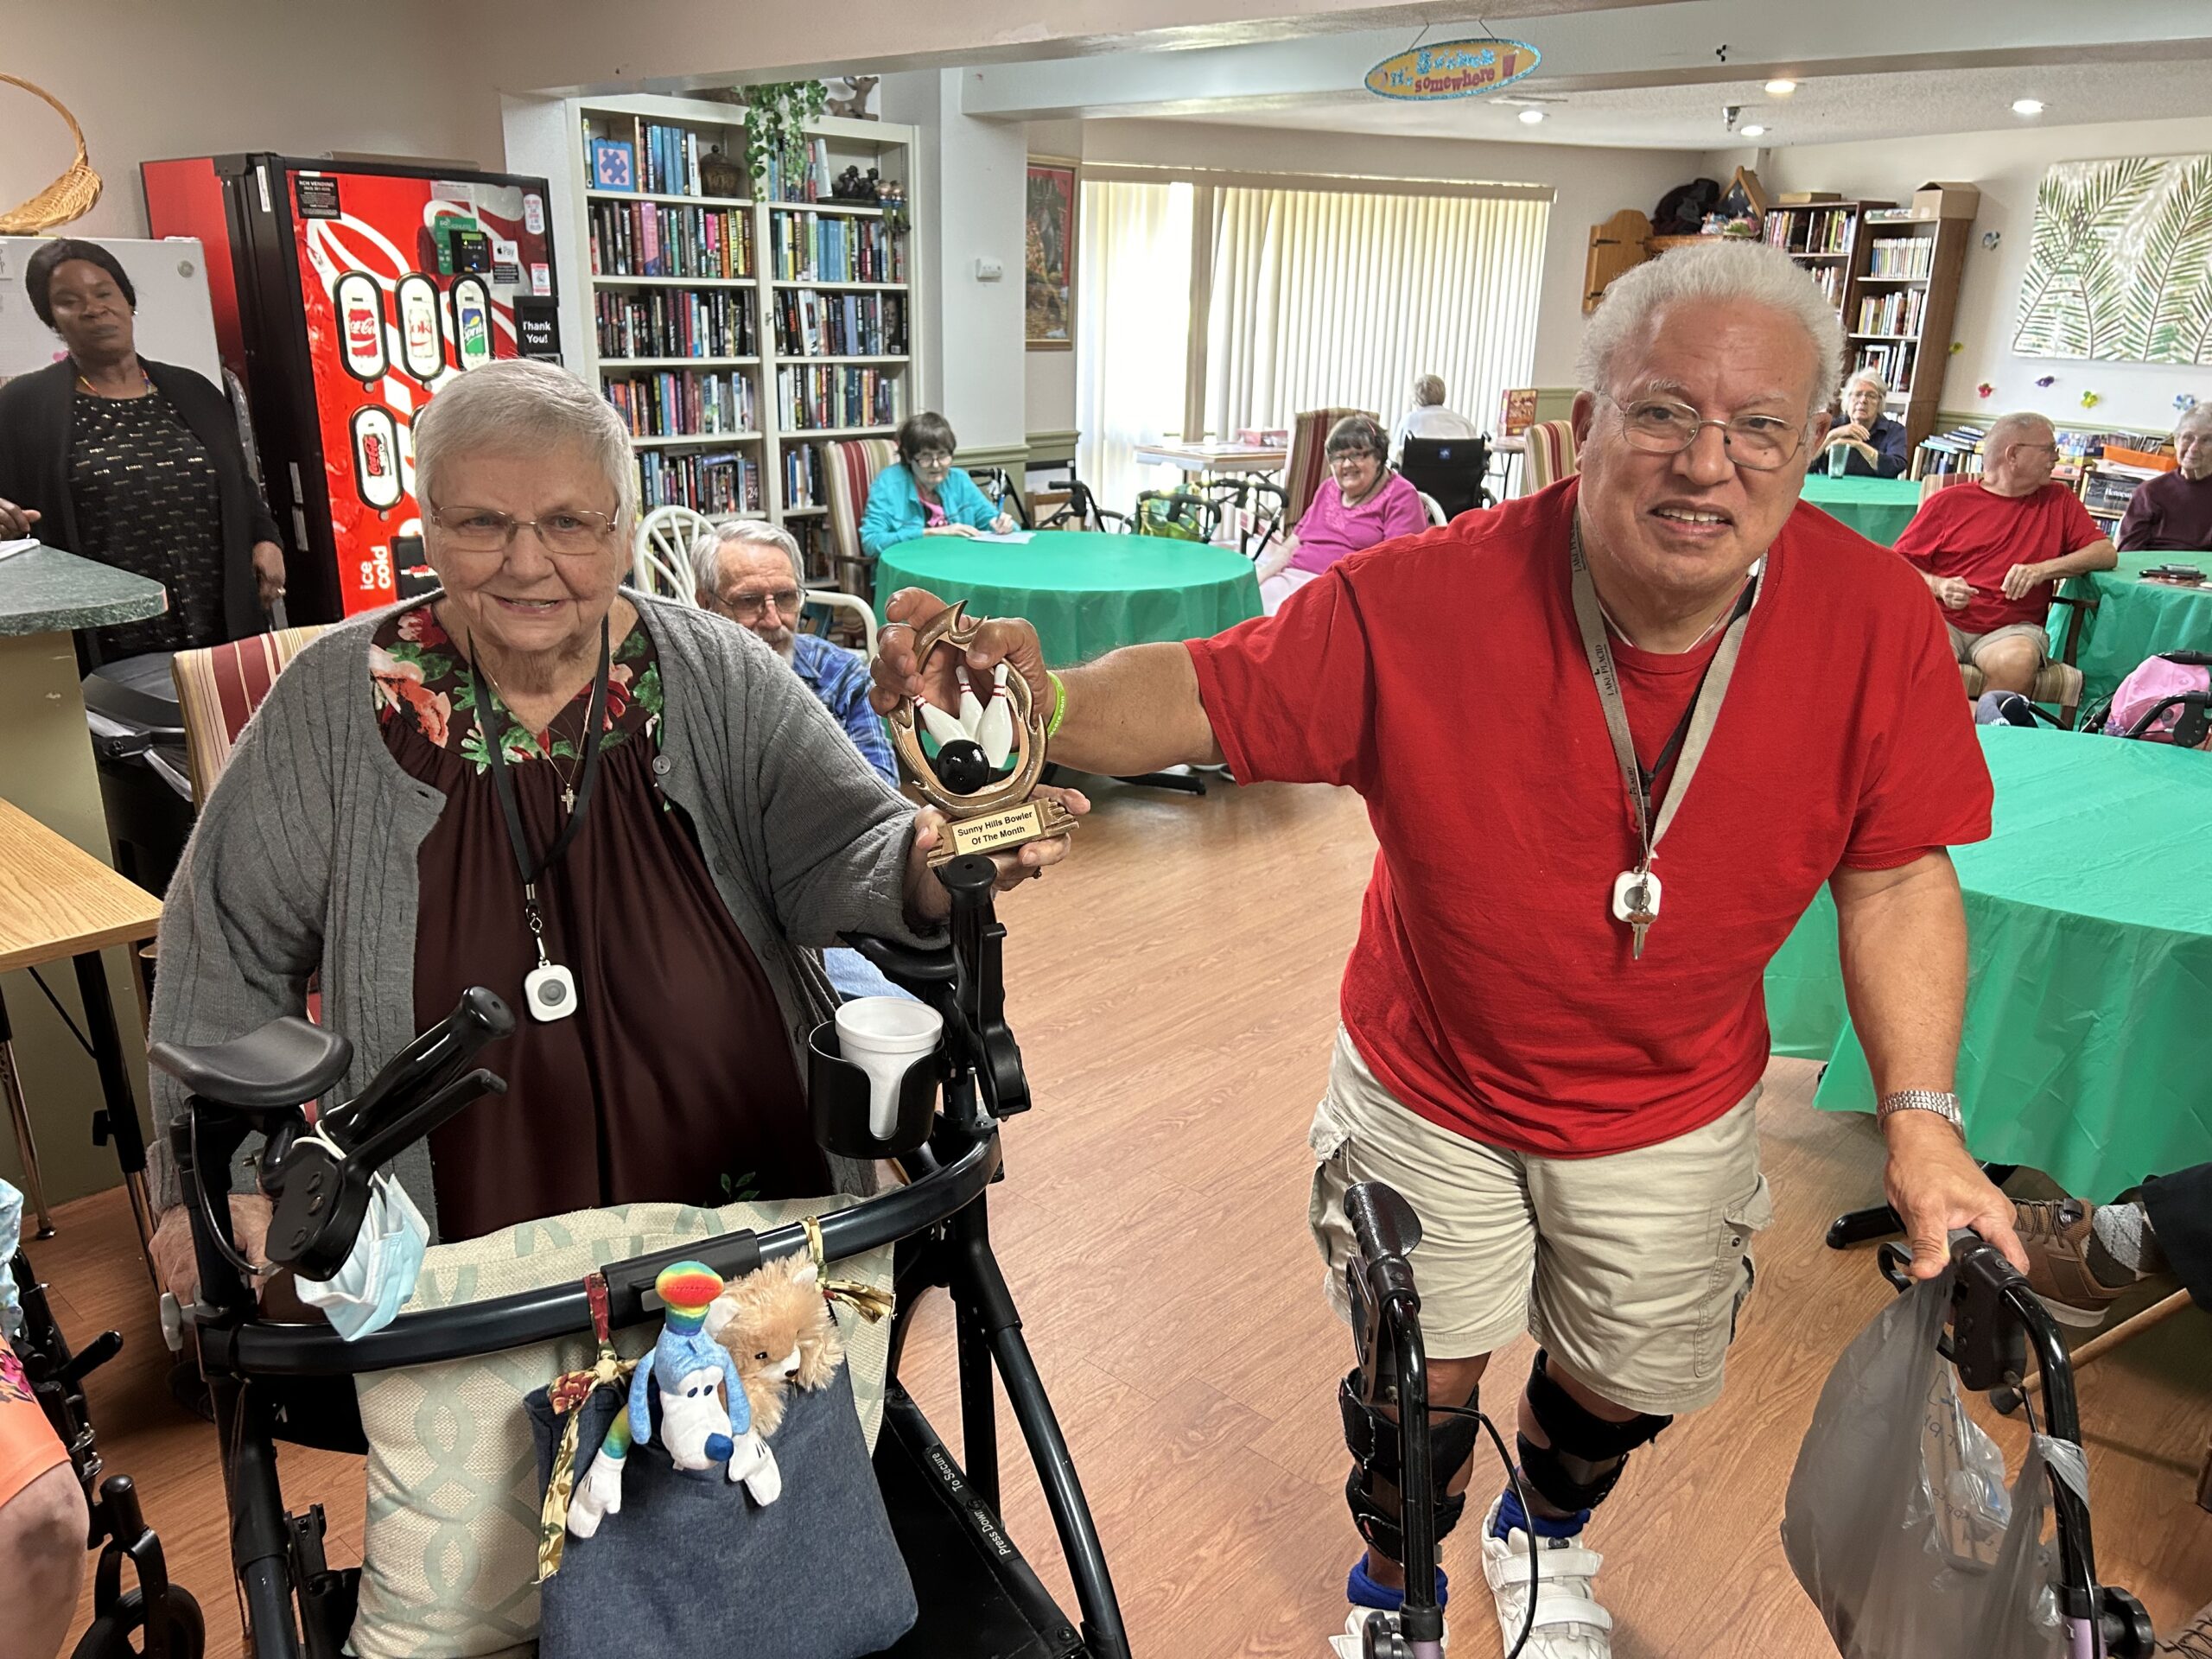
2089	949
1877	508
2134	619
1087	594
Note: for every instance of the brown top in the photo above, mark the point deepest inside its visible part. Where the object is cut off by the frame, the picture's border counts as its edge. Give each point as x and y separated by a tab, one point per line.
672	1081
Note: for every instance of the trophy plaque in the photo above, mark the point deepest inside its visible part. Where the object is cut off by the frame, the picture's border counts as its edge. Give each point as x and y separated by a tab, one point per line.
984	813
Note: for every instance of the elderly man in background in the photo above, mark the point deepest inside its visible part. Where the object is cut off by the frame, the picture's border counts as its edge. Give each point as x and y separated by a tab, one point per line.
1556	1069
1990	549
1428	418
1876	442
2173	513
750	574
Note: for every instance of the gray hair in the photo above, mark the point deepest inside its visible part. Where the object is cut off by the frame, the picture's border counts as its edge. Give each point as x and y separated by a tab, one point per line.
1428	390
1729	272
707	555
1357	434
2007	429
518	405
1865	378
2196	417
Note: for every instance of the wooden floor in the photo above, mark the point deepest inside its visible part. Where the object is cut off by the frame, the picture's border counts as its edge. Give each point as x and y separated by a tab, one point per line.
1174	989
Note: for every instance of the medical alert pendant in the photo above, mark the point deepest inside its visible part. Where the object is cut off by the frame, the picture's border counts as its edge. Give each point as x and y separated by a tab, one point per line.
1636	901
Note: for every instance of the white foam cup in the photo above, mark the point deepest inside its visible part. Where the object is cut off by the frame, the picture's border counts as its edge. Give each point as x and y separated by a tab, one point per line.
884	1036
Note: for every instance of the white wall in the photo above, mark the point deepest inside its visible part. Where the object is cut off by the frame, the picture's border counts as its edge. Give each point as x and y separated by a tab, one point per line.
2008	165
152	78
1590	186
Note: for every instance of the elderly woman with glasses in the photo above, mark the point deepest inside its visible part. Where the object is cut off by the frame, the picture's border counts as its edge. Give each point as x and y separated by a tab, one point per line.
1873	443
1363	503
531	770
923	493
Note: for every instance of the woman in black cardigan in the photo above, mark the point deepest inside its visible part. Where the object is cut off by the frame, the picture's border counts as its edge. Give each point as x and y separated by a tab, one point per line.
135	464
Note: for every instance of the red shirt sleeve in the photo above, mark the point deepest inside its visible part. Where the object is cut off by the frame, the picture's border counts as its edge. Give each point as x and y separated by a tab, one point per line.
2079	529
1923	537
1291	696
1928	785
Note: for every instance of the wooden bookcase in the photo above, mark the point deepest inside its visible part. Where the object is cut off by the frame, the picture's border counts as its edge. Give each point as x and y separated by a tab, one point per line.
710	329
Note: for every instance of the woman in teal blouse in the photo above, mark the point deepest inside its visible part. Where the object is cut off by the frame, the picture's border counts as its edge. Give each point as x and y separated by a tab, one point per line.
923	493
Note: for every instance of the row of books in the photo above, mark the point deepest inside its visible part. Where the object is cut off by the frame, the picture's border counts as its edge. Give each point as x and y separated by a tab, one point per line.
675	322
713	482
803	485
828	248
640	154
678	403
1902	256
645	239
1894	364
814	398
1826	230
1898	312
807	182
808	324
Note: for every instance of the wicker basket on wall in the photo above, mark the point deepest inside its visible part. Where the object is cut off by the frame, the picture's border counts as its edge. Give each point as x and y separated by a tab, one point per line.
69	197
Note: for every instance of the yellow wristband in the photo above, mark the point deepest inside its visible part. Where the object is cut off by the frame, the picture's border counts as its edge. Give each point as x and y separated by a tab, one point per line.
1059	705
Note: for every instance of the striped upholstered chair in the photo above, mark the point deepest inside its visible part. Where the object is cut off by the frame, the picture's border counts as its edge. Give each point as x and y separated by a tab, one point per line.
1307	463
218	688
1551	456
849	467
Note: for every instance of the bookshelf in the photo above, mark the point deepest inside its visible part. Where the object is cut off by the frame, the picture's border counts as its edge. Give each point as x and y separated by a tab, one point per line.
736	333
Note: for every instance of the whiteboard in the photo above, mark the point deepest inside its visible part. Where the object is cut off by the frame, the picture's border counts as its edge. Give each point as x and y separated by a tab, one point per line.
175	322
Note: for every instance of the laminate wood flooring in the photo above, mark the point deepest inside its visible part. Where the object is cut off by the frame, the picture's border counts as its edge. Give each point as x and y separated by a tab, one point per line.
1175	989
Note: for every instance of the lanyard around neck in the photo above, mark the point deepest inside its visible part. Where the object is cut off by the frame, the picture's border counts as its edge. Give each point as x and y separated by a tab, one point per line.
487	713
1691	733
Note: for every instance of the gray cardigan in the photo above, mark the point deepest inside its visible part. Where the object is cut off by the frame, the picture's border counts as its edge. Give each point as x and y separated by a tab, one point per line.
305	856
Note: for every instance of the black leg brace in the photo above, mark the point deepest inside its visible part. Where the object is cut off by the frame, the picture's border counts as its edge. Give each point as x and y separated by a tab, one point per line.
1587	1454
1371	1489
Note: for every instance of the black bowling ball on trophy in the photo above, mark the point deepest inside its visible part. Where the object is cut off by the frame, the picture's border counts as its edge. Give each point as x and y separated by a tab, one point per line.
962	767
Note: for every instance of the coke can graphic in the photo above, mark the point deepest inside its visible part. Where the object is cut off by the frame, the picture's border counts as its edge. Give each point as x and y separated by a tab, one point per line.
376	457
360	306
422	348
472	323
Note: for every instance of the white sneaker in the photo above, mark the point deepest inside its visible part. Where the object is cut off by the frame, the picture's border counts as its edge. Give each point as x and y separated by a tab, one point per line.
1569	1622
1352	1644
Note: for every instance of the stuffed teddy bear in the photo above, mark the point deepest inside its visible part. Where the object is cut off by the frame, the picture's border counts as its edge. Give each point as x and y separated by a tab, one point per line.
776	1326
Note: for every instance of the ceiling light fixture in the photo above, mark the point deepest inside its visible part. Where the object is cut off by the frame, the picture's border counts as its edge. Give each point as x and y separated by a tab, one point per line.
1755	131
2027	107
1531	116
1781	88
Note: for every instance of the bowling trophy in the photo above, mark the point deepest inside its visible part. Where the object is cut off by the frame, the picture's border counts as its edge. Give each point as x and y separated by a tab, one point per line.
985	813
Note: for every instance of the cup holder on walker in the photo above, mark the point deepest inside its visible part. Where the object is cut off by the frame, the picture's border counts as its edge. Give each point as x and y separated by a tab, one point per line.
837	1100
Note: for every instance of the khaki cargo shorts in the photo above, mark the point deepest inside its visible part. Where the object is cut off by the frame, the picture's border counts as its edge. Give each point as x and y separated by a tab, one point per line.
1630	1267
1965	646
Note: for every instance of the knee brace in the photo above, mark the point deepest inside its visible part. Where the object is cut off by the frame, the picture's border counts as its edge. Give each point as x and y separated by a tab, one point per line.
1373	1487
1587	1454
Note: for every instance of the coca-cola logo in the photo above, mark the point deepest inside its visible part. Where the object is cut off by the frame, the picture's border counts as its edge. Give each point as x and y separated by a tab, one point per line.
361	330
374	459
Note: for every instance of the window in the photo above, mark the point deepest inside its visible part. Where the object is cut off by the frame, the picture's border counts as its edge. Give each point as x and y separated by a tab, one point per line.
1133	328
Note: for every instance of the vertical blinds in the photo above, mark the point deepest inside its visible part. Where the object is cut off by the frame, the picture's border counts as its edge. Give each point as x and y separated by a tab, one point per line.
1133	313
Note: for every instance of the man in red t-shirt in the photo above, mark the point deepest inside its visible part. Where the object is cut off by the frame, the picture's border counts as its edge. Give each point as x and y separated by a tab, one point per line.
1990	549
1552	1041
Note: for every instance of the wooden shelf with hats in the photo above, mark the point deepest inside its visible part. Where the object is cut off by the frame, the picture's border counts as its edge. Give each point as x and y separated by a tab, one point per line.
705	299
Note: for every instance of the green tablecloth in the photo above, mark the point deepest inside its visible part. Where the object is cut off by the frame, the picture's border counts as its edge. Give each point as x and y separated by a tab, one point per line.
2135	619
2087	1046
1087	594
1877	508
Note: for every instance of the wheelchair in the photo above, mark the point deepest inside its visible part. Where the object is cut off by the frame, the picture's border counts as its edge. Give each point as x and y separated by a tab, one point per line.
272	1381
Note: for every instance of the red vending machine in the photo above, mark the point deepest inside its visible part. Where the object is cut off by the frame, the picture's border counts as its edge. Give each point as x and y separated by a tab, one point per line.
346	294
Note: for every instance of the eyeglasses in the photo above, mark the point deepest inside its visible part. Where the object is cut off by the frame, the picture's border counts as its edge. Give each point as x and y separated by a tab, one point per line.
569	533
1358	456
1660	426
931	458
748	608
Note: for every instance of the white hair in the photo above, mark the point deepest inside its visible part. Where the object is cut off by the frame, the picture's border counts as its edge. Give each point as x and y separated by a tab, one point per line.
707	555
2196	417
1865	378
1727	273
519	405
1428	390
2008	429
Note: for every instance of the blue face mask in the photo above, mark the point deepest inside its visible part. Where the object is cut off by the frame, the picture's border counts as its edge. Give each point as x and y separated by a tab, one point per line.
379	1274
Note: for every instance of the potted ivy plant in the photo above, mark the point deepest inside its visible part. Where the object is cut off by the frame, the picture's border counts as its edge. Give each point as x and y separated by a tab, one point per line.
776	114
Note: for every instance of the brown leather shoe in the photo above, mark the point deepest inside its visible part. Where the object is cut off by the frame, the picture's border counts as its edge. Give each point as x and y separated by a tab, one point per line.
2056	1233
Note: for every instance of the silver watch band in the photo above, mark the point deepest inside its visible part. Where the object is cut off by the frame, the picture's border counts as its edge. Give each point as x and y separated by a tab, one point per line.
1943	1104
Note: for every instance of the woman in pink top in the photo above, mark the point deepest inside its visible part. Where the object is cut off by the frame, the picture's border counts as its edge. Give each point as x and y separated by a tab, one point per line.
1363	503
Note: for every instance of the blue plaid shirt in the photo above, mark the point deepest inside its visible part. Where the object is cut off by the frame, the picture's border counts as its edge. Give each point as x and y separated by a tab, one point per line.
839	678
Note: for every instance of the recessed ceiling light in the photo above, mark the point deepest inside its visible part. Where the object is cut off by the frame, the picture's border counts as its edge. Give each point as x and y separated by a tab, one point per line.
1754	131
1781	88
1529	117
2027	107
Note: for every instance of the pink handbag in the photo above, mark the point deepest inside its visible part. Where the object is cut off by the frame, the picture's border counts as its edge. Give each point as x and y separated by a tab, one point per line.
2158	680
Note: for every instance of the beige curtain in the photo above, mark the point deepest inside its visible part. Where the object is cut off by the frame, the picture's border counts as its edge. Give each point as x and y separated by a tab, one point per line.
1325	298
1131	330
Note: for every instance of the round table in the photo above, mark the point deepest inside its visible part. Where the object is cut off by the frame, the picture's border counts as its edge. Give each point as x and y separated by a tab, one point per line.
1088	594
1877	508
2135	619
2089	931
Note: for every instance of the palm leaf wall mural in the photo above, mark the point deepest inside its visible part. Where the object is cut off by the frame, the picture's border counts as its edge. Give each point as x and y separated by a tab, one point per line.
2120	266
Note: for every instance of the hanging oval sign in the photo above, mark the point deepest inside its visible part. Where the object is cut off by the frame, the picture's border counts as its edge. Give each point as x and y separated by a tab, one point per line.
1452	69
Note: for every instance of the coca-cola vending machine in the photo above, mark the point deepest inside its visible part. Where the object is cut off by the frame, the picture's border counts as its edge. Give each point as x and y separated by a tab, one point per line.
346	294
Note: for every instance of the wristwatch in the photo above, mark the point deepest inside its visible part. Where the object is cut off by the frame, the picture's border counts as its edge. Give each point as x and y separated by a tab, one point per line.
1943	1104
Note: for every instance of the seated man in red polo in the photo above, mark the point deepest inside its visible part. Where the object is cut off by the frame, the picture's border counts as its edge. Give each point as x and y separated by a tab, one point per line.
1990	549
